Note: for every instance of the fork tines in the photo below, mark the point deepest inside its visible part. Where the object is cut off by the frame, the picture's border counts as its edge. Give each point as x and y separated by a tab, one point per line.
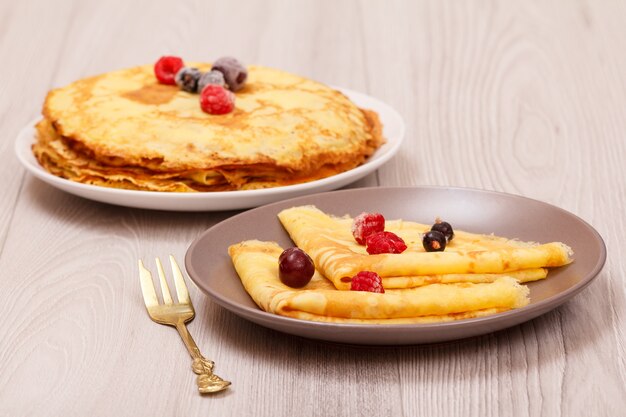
147	285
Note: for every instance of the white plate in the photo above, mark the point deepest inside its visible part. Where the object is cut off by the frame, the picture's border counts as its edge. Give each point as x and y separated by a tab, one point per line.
393	131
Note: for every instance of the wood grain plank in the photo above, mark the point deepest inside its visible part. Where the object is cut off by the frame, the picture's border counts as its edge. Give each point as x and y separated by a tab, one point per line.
21	89
520	97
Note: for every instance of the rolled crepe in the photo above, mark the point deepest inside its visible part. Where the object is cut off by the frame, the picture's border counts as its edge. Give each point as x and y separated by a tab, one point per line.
525	275
329	241
256	264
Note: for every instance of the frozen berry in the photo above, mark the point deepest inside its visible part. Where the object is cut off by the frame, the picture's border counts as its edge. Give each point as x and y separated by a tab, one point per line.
211	77
187	79
295	267
365	224
215	99
166	68
443	227
434	241
384	242
367	281
234	72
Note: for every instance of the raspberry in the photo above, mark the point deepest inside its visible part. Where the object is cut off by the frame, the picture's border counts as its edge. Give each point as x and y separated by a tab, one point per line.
215	99
166	68
365	224
384	242
367	281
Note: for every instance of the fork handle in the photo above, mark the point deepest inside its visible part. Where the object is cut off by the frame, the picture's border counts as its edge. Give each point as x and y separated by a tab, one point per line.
207	381
190	344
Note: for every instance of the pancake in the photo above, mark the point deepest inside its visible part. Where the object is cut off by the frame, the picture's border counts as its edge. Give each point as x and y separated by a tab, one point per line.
468	258
256	263
123	129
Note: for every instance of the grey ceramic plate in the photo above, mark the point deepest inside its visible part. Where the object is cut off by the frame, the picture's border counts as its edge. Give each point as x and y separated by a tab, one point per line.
472	210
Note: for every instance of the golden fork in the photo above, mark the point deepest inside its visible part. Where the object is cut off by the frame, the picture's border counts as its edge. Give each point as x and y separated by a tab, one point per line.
177	314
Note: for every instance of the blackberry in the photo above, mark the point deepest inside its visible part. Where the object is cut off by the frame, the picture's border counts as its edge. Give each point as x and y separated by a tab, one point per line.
434	241
211	77
187	79
234	72
445	228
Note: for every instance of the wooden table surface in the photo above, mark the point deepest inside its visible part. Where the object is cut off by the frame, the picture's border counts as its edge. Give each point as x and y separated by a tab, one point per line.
524	97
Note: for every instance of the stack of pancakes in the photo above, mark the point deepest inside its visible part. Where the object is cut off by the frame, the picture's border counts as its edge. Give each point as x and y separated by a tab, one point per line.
123	129
475	276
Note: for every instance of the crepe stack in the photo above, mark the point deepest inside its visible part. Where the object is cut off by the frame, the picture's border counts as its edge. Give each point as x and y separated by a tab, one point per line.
476	275
123	129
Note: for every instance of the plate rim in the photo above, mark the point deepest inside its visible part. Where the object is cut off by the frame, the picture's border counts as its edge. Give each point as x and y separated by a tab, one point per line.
24	141
531	310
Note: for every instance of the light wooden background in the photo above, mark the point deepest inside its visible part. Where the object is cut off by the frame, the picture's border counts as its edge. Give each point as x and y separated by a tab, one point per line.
526	97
